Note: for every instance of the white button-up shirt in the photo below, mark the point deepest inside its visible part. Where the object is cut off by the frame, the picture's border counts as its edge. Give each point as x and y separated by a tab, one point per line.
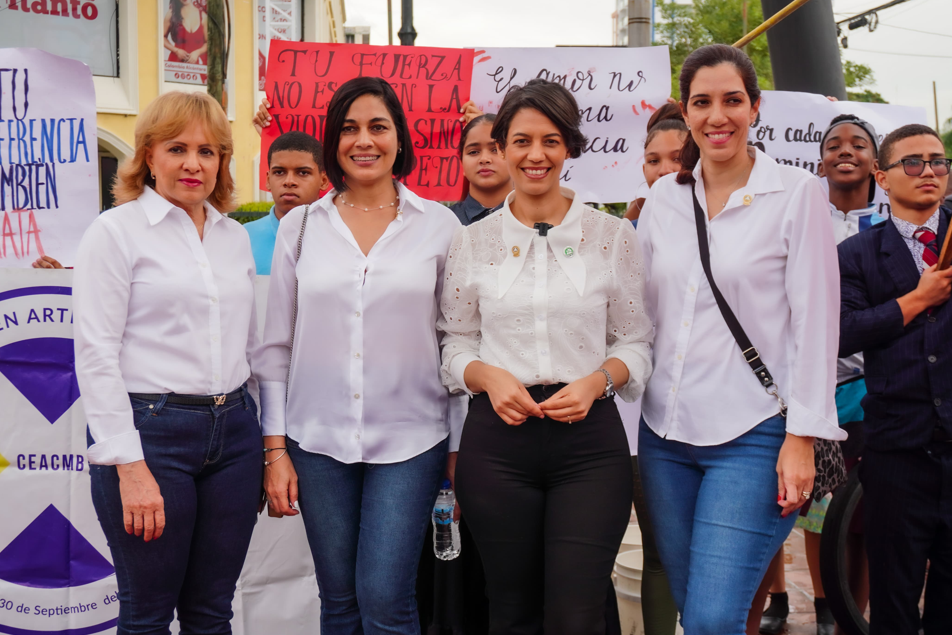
158	310
846	224
548	309
365	368
774	258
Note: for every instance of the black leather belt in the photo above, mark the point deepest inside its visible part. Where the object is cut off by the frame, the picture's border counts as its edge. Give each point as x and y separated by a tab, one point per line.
939	435
191	400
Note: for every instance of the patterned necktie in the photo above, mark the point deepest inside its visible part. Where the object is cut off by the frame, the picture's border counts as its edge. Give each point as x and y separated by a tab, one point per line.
930	255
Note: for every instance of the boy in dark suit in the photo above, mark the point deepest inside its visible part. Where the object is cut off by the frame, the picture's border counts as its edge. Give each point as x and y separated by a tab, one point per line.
894	309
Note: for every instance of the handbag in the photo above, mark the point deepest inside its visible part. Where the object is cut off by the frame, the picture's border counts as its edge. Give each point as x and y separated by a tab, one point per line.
294	310
828	457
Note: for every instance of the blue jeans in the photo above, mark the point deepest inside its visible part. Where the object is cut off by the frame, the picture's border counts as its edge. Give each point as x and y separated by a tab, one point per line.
207	463
365	525
716	521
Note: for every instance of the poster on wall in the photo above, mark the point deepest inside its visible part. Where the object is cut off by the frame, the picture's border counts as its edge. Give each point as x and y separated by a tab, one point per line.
185	41
277	20
431	83
49	171
56	571
617	90
83	30
790	125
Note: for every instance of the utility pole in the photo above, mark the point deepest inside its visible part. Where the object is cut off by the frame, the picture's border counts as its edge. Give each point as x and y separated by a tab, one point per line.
390	22
804	53
639	23
407	32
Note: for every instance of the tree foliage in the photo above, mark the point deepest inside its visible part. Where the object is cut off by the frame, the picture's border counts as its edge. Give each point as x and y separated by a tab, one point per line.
686	27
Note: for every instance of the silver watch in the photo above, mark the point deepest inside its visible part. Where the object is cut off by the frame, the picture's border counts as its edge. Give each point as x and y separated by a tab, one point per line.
609	385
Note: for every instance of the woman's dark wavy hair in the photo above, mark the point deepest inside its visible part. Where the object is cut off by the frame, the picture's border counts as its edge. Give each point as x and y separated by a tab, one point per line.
705	57
668	117
337	113
552	100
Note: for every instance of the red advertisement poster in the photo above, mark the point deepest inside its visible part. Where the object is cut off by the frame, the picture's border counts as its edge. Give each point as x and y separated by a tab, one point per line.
432	84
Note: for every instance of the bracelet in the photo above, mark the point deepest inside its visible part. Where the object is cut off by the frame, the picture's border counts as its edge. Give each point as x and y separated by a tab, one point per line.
273	449
267	463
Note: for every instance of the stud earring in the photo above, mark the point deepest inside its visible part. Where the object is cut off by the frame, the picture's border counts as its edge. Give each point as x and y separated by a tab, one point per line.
399	150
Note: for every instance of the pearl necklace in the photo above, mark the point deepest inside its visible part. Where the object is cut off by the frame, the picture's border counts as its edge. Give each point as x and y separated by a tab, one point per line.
367	209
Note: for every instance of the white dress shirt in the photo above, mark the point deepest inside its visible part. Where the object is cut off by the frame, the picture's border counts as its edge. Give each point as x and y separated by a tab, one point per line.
548	309
908	232
774	259
846	224
365	370
158	310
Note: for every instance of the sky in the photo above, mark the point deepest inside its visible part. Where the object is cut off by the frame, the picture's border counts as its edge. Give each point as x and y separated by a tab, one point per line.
897	55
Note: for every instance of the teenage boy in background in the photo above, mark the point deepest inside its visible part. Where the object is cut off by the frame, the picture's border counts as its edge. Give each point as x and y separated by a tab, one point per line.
848	150
894	309
295	177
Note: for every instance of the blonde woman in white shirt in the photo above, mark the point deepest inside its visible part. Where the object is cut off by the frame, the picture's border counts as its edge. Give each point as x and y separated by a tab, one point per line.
364	434
543	314
164	330
723	471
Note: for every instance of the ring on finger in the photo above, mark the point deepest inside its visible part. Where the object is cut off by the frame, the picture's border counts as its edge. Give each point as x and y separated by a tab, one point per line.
806	494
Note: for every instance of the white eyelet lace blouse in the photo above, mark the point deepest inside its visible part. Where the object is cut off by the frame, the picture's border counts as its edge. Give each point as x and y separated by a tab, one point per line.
549	309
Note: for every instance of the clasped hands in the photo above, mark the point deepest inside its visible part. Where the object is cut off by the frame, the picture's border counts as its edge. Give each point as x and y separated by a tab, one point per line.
513	403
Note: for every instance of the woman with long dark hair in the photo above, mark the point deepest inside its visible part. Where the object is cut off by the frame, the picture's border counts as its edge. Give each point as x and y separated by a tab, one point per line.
543	318
356	422
726	440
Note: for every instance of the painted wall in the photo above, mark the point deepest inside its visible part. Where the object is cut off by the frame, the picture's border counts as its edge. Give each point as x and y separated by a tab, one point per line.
324	22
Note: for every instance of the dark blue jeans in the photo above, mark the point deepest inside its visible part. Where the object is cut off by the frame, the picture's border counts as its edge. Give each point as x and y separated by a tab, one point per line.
716	521
365	524
207	462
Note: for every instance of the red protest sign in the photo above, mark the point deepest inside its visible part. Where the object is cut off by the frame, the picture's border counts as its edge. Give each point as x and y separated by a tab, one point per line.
432	84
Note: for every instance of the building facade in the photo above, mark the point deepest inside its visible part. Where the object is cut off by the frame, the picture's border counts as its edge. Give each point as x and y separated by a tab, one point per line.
140	49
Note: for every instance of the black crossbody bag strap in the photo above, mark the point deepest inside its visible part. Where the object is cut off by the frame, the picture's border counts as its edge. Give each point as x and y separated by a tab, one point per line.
751	356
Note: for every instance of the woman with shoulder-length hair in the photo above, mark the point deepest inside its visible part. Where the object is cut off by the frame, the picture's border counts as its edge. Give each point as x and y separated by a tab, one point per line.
543	319
355	417
730	413
164	329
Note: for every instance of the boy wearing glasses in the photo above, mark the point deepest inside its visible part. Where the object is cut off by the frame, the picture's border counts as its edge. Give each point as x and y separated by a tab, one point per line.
894	309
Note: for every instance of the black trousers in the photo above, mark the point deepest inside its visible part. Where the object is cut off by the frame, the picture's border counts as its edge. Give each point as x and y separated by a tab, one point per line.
907	496
548	504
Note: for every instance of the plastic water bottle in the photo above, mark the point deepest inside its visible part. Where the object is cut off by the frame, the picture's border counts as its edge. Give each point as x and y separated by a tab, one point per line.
446	543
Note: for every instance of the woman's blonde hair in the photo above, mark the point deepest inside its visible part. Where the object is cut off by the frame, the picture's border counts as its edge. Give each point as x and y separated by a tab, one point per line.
167	116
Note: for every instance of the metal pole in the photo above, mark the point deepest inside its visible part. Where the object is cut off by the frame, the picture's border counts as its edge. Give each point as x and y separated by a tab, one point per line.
390	22
804	52
935	104
407	33
639	23
769	22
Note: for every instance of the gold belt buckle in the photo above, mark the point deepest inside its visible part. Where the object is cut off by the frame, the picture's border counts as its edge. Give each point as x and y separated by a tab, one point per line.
220	400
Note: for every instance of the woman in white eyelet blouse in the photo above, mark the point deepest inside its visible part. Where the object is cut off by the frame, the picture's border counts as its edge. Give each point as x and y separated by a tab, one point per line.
542	312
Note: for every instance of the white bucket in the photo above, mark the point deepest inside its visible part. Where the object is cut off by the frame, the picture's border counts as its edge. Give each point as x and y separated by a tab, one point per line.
627	579
632	539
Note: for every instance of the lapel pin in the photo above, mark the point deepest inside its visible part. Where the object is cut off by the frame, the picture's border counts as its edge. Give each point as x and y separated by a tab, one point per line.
569	252
748	199
515	251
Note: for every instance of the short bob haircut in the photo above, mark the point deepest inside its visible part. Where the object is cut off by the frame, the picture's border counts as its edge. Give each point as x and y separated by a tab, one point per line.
167	116
552	100
337	113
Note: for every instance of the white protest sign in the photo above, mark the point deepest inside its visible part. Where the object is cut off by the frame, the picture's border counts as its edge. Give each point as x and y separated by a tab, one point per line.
49	162
617	90
789	126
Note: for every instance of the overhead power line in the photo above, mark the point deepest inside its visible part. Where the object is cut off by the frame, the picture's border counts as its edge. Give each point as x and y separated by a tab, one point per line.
947	57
